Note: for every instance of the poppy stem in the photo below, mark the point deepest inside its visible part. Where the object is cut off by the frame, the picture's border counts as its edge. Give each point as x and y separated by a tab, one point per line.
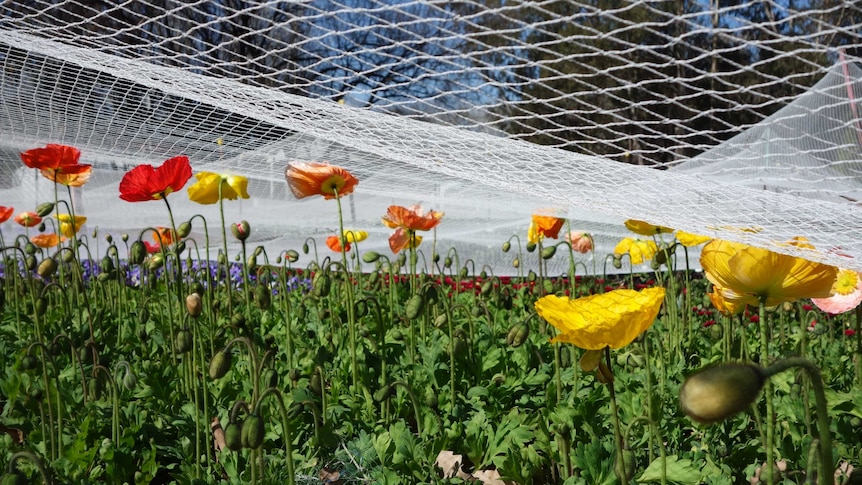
620	469
770	409
348	290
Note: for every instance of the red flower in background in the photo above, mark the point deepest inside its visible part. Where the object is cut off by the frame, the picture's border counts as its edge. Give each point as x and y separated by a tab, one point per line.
5	213
28	219
58	163
146	182
334	243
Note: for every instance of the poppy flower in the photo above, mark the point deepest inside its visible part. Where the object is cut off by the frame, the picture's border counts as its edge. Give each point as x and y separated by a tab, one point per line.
68	226
329	181
747	275
690	240
645	228
6	213
58	163
613	319
28	219
580	241
406	221
146	182
847	290
163	236
45	241
544	226
334	243
639	250
206	189
353	236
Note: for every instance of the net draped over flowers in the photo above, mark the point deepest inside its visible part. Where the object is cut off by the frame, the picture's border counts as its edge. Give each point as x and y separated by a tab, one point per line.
613	319
645	228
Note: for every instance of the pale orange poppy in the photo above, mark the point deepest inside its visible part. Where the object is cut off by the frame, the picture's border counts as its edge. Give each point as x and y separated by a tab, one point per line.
306	179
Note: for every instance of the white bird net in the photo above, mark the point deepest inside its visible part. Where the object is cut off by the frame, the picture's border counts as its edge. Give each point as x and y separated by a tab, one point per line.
489	111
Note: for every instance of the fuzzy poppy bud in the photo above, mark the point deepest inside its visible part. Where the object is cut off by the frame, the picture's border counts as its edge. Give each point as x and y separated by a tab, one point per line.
549	252
44	208
194	305
382	394
184	229
156	262
47	267
263	296
506	246
233	436
31	263
321	284
486	288
617	262
292	256
130	381
106	264
137	253
719	392
517	335
124	237
220	364
414	306
183	341
241	230
531	246
370	256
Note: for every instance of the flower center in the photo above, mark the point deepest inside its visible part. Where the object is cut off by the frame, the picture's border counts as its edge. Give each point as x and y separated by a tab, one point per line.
846	282
333	184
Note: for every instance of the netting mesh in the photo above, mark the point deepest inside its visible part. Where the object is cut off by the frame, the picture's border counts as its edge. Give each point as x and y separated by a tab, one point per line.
488	111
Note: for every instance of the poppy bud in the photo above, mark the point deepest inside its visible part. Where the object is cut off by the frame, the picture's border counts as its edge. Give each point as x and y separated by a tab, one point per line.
130	381
30	249
431	399
47	267
156	262
531	246
137	253
382	394
321	284
516	263
183	341
124	237
402	259
370	257
506	246
106	264
233	436
719	392
109	238
44	208
517	335
184	229
263	296
531	276
549	252
292	256
414	306
305	248
447	262
241	230
486	288
194	305
436	257
220	364
618	262
441	320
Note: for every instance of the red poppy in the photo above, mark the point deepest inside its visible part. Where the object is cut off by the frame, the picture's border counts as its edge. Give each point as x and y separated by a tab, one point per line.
5	213
28	219
146	182
58	163
329	181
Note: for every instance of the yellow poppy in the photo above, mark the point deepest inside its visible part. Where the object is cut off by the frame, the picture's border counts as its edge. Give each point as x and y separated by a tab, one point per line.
689	240
353	236
613	319
645	228
67	227
638	249
754	275
206	189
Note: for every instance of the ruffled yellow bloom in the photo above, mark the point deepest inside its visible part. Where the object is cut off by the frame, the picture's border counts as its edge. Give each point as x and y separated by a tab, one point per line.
745	275
645	228
206	189
613	319
689	240
353	236
638	249
67	227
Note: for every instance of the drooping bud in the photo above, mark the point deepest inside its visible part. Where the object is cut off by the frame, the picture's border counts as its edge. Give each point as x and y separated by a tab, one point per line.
184	229
194	304
292	256
618	262
517	335
156	262
130	381
241	230
220	364
370	257
531	246
506	246
47	267
137	253
719	392
549	252
44	208
183	341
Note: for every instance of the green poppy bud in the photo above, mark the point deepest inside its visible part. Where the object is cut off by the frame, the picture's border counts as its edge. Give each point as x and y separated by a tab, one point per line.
305	248
382	394
402	259
233	436
507	246
517	334
220	364
516	263
719	392
441	320
292	256
183	341
137	253
44	208
549	252
156	262
436	257
321	284
184	229
263	296
414	306
106	265
370	257
130	381
465	272
47	267
531	246
109	238
124	237
241	230
447	263
531	276
617	262
431	399
486	288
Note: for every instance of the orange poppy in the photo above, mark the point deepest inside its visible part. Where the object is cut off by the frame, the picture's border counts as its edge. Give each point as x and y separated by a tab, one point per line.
46	241
164	236
28	219
5	213
402	239
312	178
411	218
334	243
58	163
544	226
